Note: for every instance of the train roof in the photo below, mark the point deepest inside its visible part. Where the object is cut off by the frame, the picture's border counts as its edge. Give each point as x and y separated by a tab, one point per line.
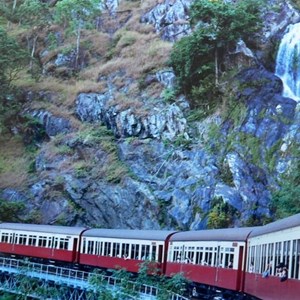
43	228
225	234
155	235
282	224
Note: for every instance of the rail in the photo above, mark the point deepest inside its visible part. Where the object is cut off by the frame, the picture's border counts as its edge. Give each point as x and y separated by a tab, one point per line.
75	278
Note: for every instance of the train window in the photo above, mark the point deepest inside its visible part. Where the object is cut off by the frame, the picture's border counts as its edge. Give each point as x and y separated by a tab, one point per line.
22	239
63	243
189	258
55	243
251	256
90	247
145	252
98	248
228	260
125	251
4	237
154	253
264	261
198	259
32	240
278	253
116	249
286	253
258	259
295	259
227	249
208	256
270	257
135	251
42	241
221	260
84	245
176	254
11	238
107	246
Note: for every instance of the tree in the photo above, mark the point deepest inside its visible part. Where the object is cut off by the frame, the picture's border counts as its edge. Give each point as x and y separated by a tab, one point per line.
12	58
286	201
9	211
76	15
8	9
221	214
218	25
34	15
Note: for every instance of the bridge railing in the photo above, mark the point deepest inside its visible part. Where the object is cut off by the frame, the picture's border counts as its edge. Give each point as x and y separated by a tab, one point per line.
72	277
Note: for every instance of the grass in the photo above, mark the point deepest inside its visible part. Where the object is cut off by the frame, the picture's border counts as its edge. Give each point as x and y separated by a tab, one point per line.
133	47
129	46
114	170
14	162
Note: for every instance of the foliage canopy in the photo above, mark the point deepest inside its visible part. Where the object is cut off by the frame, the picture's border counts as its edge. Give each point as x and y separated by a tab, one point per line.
218	25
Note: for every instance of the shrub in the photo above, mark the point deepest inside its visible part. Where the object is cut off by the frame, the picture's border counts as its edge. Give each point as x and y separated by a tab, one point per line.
196	59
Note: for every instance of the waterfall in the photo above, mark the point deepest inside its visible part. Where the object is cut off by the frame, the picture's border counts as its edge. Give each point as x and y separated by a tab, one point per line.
288	62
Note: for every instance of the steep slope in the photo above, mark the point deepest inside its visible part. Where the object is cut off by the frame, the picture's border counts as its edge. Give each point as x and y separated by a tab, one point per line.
118	149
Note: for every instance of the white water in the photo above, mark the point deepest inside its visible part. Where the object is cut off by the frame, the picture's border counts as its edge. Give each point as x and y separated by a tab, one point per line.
288	62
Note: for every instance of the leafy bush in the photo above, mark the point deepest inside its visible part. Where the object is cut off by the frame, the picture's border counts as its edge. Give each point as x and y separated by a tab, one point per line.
286	201
221	215
196	59
9	210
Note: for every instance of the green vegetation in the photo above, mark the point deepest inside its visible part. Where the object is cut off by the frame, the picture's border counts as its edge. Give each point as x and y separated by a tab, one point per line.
12	60
76	15
9	211
226	175
169	95
15	160
286	201
296	3
221	215
113	170
218	26
126	284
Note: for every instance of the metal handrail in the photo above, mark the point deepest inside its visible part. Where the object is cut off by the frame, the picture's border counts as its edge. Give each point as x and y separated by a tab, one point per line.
80	278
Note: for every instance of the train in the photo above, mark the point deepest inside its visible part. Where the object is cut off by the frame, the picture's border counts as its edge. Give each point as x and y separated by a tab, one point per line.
261	261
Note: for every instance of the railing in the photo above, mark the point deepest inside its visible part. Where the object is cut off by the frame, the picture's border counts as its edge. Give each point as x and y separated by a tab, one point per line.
75	278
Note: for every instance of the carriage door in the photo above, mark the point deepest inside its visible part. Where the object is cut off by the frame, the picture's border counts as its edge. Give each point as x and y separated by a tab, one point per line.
75	250
160	253
241	271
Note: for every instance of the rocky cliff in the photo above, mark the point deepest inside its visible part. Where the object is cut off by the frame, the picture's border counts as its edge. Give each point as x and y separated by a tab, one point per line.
120	154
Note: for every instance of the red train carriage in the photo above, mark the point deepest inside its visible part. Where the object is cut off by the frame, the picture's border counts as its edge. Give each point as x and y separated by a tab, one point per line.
212	257
59	243
273	251
111	248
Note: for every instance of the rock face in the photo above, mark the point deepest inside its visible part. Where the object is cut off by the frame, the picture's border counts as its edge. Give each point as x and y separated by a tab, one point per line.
170	19
53	125
141	164
166	122
157	120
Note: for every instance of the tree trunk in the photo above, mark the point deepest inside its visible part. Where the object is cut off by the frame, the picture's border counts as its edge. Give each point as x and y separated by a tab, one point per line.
216	67
13	10
33	51
14	5
77	46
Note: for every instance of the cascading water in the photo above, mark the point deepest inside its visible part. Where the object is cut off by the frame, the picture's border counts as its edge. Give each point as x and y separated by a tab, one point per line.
288	62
